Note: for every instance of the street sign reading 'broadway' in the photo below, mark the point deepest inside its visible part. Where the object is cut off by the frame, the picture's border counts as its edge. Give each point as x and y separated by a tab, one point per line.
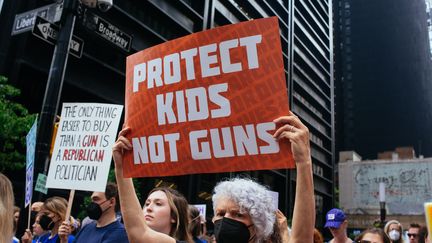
49	33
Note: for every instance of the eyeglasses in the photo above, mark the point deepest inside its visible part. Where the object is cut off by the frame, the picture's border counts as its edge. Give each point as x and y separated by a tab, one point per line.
364	241
412	235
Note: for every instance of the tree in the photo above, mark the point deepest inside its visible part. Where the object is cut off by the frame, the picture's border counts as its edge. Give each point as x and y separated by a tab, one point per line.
15	122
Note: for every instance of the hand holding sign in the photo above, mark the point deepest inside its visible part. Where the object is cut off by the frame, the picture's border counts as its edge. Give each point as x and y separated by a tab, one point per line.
27	237
64	231
293	129
119	147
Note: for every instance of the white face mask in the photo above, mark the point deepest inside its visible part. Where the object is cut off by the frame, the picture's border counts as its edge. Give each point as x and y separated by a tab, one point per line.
394	235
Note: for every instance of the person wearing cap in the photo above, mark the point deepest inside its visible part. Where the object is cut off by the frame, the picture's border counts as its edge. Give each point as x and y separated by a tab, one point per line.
337	224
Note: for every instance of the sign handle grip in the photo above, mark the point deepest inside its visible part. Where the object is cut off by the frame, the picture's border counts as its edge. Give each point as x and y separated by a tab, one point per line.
29	216
69	207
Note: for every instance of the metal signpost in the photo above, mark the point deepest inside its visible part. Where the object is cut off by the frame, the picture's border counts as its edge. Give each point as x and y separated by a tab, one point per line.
54	84
49	32
41	22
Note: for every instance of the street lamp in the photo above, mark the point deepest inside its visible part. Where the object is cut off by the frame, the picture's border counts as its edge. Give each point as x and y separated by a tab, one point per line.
382	203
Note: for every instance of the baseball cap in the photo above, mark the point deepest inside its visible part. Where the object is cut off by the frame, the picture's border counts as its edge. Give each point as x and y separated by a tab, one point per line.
334	218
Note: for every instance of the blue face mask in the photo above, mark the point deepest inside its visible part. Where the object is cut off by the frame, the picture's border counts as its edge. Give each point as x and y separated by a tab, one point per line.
229	230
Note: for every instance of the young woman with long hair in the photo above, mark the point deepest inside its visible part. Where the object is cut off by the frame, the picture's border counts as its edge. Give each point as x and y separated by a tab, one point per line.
6	209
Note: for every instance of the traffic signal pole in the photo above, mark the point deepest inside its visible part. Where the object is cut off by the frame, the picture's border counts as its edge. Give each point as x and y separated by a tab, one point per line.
54	88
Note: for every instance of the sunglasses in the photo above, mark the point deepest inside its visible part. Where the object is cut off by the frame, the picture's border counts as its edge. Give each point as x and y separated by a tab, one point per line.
412	235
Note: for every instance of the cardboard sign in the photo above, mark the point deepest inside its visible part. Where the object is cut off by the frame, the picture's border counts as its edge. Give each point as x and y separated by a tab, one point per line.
82	152
30	155
205	103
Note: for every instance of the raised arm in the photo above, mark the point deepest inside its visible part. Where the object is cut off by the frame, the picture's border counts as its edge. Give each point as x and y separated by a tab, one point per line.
304	206
136	227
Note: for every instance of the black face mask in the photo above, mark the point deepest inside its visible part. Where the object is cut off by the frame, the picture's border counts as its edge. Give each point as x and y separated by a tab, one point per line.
229	230
94	210
33	215
46	222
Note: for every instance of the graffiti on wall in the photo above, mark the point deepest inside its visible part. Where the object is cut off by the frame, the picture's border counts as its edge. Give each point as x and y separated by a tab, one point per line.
408	186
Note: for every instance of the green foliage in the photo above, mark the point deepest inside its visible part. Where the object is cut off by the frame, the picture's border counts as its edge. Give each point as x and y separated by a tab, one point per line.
137	183
15	122
82	213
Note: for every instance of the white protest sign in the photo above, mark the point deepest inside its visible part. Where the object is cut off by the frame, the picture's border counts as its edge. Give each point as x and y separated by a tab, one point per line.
201	208
275	197
82	152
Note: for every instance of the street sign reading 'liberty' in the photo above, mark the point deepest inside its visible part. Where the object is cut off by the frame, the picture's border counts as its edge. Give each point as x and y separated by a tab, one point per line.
25	21
49	33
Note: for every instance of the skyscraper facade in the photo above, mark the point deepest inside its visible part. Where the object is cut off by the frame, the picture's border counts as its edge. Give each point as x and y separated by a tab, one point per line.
383	76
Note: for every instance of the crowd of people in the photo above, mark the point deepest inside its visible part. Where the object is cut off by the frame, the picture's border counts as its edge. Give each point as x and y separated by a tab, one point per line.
337	223
243	209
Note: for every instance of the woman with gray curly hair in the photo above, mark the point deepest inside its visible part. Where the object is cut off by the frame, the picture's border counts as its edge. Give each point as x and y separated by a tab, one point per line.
244	197
244	210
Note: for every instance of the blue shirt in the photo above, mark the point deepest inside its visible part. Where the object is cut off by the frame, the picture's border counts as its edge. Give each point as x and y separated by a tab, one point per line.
112	233
41	238
48	239
198	240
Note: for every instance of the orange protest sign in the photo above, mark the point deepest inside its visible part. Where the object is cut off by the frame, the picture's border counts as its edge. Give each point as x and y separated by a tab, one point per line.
205	103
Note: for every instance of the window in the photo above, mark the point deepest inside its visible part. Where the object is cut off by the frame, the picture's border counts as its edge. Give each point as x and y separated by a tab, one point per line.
347	5
348	30
348	21
347	13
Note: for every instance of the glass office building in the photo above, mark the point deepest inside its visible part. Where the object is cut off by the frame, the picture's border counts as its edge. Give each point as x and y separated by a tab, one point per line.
383	76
